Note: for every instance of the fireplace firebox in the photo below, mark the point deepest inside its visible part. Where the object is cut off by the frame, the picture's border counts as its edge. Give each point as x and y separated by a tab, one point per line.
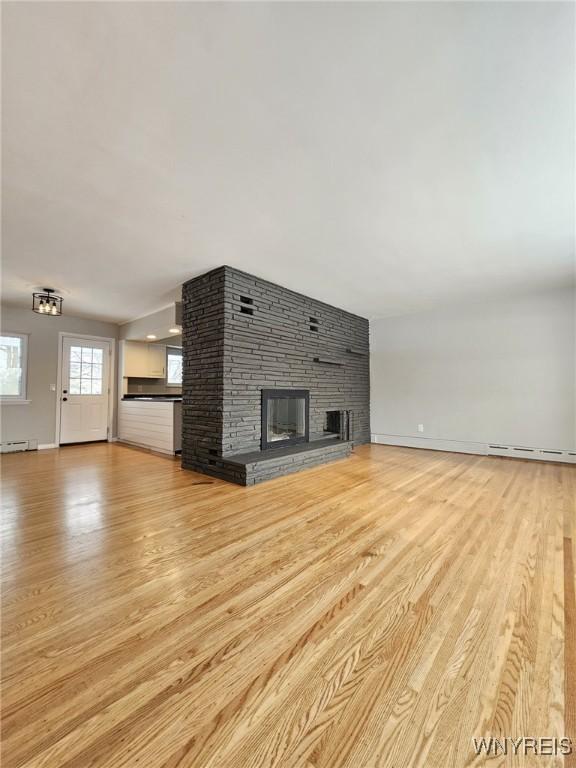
285	417
338	423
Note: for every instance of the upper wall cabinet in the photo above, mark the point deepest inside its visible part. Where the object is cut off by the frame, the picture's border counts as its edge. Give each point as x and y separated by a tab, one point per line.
157	360
144	361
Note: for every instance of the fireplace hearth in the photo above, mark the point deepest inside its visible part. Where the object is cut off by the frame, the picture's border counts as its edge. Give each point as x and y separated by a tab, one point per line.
285	417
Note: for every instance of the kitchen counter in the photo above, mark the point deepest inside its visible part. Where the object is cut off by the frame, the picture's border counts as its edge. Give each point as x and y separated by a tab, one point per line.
154	398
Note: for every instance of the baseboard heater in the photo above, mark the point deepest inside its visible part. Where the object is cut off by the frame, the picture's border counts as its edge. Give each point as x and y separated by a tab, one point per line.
12	446
483	449
519	452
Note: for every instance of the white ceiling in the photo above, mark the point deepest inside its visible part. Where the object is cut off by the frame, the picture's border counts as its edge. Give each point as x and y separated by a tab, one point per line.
383	157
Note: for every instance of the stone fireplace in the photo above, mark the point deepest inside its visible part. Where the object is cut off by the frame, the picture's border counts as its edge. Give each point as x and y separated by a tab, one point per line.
273	381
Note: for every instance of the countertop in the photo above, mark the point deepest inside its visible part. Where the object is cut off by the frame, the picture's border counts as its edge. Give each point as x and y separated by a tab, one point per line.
154	398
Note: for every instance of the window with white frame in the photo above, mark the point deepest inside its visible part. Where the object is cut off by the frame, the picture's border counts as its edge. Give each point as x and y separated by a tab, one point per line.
13	357
173	366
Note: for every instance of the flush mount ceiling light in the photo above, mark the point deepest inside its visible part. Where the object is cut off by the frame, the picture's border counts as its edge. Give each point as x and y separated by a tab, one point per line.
174	330
151	336
45	302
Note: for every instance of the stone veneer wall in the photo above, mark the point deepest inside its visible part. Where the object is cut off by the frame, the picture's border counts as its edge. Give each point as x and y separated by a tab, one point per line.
202	368
242	334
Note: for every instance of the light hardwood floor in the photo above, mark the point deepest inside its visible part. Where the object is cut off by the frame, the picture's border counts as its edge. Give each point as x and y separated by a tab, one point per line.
379	611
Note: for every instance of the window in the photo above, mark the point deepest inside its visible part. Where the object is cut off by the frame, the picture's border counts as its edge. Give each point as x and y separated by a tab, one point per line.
85	370
174	366
13	357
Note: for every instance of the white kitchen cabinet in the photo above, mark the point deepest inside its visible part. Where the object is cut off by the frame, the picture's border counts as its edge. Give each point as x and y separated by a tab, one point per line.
144	361
151	424
157	360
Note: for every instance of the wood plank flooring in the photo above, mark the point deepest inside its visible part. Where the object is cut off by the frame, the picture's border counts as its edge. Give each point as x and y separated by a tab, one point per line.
379	612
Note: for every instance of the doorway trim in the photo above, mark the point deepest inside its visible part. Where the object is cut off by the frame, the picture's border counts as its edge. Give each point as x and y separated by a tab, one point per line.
111	379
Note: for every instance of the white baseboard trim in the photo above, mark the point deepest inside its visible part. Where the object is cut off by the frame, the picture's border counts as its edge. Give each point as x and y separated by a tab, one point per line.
45	446
430	443
481	449
144	447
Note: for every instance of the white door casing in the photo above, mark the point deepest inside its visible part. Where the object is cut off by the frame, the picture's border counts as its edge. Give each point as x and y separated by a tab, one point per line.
84	389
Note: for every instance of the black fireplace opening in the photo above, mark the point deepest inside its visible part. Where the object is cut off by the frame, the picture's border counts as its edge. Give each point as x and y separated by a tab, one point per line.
332	424
338	424
285	417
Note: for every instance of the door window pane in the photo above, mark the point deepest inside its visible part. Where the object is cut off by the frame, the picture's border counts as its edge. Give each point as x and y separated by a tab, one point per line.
86	371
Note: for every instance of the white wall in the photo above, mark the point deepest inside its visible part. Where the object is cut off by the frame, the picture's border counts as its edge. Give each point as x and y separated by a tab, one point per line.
37	421
158	323
502	371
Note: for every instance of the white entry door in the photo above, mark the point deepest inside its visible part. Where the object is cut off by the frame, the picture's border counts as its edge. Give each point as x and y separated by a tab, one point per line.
85	395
